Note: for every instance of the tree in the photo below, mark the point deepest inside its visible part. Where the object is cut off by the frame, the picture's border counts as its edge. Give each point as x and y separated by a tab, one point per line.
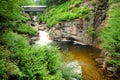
50	2
54	2
11	12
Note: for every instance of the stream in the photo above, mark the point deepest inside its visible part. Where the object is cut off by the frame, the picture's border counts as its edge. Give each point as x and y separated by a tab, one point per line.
85	56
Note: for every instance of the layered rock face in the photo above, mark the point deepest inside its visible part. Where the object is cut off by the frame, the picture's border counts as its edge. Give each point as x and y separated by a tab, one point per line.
80	29
75	30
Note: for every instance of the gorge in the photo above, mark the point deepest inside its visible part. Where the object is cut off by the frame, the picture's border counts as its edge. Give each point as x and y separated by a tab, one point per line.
68	40
86	31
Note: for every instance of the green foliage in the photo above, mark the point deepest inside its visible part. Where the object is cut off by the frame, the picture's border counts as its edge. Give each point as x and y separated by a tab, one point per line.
50	58
8	7
40	2
113	1
64	12
111	34
23	61
54	2
50	2
115	62
14	41
26	28
2	67
93	3
26	2
11	53
11	13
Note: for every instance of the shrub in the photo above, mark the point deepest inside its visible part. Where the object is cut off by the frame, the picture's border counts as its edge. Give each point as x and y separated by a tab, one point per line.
22	61
41	63
26	28
14	41
113	1
64	12
111	34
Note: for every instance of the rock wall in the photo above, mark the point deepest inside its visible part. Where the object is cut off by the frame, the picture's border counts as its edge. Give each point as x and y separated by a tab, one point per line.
79	29
99	20
75	30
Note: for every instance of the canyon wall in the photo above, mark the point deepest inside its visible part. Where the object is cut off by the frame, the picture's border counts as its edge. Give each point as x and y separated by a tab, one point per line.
84	30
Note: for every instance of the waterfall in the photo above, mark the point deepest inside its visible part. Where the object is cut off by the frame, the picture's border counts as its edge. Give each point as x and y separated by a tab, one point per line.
43	38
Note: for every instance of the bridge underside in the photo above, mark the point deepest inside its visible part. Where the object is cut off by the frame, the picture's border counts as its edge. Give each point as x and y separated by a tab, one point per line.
34	8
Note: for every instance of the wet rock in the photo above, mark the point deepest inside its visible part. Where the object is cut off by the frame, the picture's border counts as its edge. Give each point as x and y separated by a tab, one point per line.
34	38
111	69
41	28
100	61
32	24
112	73
74	68
101	66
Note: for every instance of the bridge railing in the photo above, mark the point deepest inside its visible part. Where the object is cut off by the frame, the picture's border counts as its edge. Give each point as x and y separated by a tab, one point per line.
34	8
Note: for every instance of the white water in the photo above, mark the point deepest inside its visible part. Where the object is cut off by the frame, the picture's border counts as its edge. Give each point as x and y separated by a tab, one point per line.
43	38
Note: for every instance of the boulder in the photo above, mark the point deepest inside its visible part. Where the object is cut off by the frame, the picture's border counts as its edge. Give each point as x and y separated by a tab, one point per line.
41	28
100	61
74	68
111	69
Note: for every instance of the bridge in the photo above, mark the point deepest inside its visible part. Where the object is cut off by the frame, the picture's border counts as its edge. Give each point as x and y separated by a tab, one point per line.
34	8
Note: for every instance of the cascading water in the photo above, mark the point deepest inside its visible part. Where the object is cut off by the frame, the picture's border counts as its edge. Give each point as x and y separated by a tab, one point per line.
43	38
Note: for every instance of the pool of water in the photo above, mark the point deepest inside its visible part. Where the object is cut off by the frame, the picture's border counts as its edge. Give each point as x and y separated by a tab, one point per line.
85	55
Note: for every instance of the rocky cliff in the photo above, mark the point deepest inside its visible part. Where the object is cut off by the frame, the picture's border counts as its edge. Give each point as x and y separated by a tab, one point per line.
75	30
84	30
